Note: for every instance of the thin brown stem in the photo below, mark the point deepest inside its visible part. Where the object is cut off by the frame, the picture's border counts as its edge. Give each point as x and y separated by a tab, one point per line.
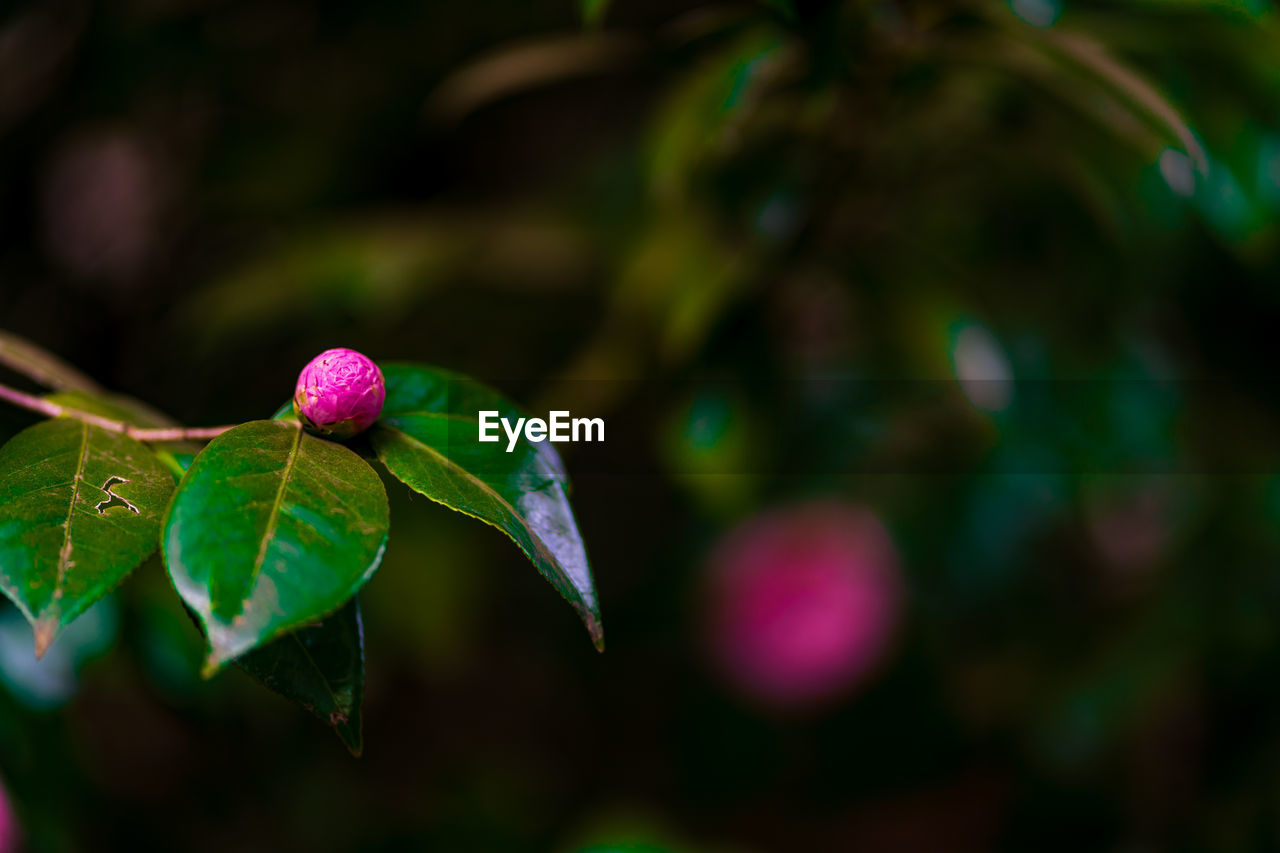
26	401
50	409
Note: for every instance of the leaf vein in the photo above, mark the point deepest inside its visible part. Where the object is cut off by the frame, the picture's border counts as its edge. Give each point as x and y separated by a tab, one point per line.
64	554
273	519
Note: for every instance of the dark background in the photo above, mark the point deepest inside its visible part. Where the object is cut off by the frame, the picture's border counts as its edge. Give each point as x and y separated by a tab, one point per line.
765	242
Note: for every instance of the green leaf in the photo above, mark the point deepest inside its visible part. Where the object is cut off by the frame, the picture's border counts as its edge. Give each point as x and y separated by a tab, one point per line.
271	529
80	507
320	667
427	438
43	367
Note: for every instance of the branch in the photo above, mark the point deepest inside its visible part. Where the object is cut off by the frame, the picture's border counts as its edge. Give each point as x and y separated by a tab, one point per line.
53	410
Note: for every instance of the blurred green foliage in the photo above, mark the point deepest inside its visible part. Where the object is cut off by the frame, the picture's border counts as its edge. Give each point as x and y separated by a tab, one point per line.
758	239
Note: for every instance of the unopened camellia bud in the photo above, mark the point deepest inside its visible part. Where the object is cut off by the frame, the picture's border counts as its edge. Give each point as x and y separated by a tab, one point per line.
340	393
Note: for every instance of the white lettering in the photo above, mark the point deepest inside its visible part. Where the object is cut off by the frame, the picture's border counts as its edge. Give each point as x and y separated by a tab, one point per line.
486	425
512	434
587	425
559	426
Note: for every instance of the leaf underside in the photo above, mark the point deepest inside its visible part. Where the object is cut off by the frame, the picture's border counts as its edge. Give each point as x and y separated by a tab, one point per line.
271	529
80	507
321	668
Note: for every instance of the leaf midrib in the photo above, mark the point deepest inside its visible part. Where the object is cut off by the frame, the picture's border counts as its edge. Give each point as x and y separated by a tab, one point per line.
273	518
64	553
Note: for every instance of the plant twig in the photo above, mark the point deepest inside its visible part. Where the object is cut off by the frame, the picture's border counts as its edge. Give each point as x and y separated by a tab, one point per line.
53	410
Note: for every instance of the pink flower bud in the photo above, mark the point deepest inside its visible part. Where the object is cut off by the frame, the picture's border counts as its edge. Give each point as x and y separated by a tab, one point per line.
804	601
340	393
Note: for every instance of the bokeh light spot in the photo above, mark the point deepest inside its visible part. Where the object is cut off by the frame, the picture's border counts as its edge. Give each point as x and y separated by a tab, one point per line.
804	602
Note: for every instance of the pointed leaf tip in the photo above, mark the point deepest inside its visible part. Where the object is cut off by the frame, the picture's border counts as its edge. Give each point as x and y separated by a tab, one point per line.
46	631
596	629
210	668
352	737
217	657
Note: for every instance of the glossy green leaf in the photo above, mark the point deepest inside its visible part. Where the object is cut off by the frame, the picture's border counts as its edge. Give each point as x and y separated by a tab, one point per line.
80	507
427	438
43	367
320	667
271	529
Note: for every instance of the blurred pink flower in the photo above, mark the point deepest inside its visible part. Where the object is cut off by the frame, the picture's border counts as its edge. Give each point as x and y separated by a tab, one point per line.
804	602
8	825
339	393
